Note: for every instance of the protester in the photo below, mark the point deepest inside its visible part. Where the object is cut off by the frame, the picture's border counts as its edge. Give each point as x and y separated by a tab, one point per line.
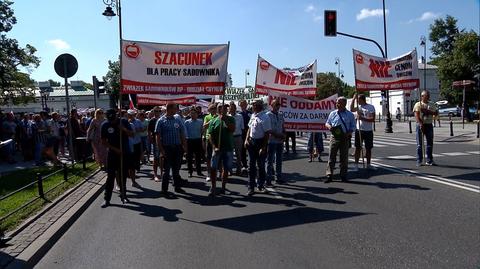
143	135
111	139
157	161
341	123
94	135
171	142
398	112
40	133
291	136
54	124
424	111
135	143
220	132
212	110
256	143
275	144
194	129
9	132
315	146
365	115
76	131
246	114
237	136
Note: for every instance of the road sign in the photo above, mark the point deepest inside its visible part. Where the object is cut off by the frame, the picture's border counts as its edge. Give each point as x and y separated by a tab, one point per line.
66	65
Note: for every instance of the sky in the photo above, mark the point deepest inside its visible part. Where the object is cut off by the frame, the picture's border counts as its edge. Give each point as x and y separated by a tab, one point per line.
287	33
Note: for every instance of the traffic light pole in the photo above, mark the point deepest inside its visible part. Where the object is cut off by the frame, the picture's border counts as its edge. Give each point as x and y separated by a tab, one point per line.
366	39
95	91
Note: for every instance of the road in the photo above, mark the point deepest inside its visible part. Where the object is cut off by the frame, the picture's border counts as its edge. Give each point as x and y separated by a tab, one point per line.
399	216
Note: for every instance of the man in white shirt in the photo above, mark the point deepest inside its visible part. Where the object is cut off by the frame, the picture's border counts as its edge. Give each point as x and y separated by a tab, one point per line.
256	144
237	136
365	115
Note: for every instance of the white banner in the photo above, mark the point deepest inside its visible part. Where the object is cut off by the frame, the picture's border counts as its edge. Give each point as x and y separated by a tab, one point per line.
376	73
237	94
160	100
173	69
302	114
292	81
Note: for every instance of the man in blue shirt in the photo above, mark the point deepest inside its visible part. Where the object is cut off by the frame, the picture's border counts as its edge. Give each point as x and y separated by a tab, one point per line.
170	132
341	123
194	129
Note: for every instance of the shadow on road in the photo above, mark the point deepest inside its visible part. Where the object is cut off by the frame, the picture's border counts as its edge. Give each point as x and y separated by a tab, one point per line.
153	211
385	185
280	219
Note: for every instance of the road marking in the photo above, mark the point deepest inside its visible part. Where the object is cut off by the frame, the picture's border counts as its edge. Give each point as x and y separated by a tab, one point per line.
473	152
437	179
401	157
274	192
455	153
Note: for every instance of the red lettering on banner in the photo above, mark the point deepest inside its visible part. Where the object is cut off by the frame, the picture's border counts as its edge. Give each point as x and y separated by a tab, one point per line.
183	58
284	79
379	69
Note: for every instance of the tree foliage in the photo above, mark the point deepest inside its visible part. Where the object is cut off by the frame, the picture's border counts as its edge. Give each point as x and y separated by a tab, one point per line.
455	54
112	81
15	86
329	84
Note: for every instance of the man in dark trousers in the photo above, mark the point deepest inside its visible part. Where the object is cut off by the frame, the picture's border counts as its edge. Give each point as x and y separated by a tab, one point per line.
111	139
171	142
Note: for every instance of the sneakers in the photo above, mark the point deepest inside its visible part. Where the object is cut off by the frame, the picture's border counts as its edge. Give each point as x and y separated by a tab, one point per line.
105	204
262	190
208	179
431	163
329	179
355	168
157	179
419	164
250	192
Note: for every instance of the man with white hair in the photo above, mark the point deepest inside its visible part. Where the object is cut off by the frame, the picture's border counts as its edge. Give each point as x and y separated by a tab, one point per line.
341	123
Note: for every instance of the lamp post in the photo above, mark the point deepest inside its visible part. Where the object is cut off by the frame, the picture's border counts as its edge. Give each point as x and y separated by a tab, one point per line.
389	123
247	73
423	43
340	74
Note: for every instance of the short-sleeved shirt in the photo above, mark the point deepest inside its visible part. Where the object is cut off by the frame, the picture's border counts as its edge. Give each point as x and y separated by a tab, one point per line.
111	133
259	124
145	124
137	124
427	119
276	120
206	120
170	130
226	142
239	125
194	128
368	111
348	124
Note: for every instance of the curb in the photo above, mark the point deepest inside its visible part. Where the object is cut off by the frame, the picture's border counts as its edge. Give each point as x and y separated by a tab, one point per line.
38	248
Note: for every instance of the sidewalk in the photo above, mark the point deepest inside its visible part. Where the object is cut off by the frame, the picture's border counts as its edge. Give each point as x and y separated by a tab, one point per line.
36	235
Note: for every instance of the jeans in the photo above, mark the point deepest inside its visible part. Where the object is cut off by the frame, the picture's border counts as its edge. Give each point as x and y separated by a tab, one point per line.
38	152
429	149
275	151
256	159
194	148
113	171
336	145
172	160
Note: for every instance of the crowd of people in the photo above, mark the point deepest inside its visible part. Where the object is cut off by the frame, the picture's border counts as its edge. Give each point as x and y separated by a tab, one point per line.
245	141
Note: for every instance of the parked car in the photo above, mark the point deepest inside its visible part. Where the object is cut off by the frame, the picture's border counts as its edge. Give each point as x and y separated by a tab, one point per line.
449	111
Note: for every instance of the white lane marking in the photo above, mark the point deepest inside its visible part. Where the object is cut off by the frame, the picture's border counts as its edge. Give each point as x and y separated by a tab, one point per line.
455	153
474	152
401	157
274	192
437	179
437	155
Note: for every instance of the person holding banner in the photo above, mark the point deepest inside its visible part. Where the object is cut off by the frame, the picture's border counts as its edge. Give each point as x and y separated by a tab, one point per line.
171	142
365	114
275	144
256	143
424	112
341	123
220	132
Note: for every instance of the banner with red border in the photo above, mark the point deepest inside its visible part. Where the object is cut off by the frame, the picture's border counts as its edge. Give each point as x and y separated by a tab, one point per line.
377	73
158	68
300	81
160	100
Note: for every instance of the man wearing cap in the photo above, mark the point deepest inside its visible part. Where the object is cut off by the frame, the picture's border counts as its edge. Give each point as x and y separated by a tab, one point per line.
111	139
171	142
256	143
220	133
341	123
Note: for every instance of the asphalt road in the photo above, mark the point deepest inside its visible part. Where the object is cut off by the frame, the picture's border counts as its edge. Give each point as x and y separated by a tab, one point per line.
399	216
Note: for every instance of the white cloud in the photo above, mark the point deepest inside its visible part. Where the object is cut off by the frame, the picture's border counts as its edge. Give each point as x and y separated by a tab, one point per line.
317	18
59	44
367	13
310	8
428	16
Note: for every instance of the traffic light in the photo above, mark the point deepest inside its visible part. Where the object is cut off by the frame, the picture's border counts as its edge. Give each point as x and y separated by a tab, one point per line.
384	95
98	86
330	22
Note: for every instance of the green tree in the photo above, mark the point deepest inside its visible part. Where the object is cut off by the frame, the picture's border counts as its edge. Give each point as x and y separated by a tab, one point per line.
112	81
54	83
329	84
15	86
455	55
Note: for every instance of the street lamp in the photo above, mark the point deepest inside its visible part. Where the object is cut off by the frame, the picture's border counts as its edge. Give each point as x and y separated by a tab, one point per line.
389	122
340	73
247	73
423	43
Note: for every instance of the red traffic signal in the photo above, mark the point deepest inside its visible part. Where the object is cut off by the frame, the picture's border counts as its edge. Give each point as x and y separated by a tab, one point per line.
330	22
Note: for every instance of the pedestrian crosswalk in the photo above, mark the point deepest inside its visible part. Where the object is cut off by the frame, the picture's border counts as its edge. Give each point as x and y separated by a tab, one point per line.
380	141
